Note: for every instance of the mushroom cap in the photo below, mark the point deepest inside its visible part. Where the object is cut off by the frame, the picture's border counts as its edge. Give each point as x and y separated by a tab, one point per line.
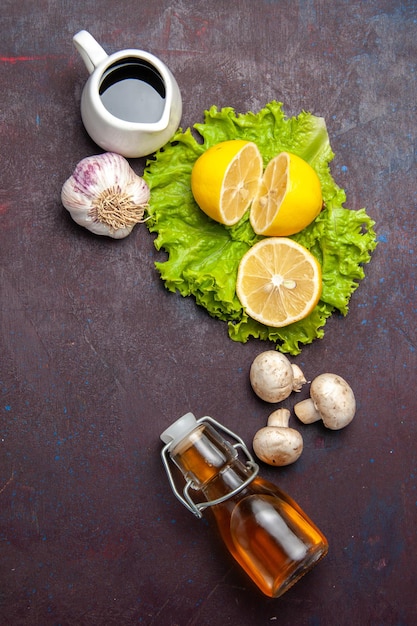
334	400
271	376
278	446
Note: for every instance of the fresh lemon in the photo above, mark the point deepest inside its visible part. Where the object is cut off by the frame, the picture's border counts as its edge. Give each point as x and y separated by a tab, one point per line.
289	197
278	281
225	179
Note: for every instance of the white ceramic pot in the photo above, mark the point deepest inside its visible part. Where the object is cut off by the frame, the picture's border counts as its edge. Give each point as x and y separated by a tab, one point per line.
131	104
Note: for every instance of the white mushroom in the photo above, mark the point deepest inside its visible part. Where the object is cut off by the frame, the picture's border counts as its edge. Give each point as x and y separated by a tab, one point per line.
276	443
272	376
331	400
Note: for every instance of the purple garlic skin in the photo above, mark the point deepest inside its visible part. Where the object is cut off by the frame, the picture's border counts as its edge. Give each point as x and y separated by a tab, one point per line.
105	195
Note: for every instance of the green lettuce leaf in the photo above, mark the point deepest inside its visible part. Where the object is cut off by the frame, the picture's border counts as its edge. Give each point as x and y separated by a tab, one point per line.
203	256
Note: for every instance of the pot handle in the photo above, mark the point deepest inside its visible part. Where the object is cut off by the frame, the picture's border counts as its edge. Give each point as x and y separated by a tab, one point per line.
90	50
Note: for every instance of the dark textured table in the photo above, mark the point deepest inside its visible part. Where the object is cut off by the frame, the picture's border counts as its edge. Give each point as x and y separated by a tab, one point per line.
97	358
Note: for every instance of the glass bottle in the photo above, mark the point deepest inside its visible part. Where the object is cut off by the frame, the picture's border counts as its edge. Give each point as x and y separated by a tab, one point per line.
264	529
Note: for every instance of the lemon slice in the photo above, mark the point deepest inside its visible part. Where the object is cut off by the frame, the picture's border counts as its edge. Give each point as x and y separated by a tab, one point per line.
225	179
278	281
289	197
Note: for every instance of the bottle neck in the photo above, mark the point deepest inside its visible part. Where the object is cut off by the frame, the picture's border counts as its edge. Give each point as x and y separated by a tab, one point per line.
210	463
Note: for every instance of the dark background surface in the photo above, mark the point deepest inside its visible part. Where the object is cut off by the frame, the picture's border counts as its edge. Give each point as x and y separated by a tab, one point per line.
97	358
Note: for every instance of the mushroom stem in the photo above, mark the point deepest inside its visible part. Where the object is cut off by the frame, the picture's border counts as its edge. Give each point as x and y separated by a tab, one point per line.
298	377
279	418
306	411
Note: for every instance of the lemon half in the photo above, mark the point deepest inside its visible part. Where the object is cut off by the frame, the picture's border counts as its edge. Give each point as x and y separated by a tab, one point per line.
288	199
279	281
226	178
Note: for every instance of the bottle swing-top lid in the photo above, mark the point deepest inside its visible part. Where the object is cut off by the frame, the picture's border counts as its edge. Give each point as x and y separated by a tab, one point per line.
175	433
179	429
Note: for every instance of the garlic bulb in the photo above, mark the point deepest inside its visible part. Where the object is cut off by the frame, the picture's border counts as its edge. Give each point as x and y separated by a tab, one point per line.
105	195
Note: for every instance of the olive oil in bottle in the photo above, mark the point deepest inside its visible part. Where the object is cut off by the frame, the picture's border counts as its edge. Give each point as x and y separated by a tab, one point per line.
263	528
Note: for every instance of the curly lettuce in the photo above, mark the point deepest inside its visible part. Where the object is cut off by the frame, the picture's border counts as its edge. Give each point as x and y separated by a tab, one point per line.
203	256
